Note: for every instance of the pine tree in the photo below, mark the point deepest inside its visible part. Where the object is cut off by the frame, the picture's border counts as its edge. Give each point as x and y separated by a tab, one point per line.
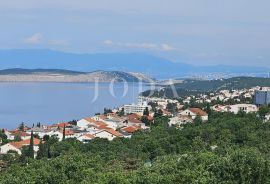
21	127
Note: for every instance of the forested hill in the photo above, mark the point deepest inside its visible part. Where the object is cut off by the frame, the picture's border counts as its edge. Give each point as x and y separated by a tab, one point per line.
220	84
194	87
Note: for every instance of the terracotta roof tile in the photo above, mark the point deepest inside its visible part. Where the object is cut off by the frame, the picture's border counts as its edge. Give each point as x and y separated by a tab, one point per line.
198	111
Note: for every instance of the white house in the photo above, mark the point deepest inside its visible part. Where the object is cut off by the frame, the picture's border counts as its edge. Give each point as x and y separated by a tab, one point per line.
17	146
194	112
247	108
86	138
24	135
86	122
109	134
10	147
180	120
10	135
83	123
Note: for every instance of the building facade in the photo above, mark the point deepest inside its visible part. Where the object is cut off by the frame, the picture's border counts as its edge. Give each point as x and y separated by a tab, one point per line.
262	97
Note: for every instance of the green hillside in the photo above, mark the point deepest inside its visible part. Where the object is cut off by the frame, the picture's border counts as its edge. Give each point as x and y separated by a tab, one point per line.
228	149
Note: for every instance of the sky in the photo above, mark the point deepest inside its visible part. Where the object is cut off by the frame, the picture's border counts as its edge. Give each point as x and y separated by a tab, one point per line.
199	32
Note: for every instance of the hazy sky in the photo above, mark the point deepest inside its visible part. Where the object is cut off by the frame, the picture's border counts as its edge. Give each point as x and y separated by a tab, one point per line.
198	32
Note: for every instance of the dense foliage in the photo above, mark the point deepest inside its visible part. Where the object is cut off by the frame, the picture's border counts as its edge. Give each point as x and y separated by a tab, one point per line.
228	149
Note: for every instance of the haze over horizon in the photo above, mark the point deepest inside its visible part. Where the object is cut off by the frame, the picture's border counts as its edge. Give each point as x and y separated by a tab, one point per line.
186	31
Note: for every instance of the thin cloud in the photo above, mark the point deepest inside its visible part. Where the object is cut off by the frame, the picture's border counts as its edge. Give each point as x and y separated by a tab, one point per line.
167	47
143	45
57	42
34	39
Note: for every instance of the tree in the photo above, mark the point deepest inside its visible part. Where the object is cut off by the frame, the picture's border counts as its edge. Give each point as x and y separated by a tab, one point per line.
41	151
31	152
73	122
146	112
107	111
145	120
46	138
38	125
64	132
122	112
17	138
172	107
264	110
197	120
158	113
22	126
208	108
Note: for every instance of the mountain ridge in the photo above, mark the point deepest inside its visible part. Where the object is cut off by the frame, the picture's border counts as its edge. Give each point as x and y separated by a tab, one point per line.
127	62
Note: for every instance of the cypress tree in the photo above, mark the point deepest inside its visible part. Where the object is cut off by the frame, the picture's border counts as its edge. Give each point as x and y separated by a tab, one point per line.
146	112
64	133
41	151
31	146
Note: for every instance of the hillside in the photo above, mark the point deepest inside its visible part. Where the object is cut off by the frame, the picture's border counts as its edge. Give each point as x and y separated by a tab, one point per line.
157	67
216	85
57	75
227	149
193	87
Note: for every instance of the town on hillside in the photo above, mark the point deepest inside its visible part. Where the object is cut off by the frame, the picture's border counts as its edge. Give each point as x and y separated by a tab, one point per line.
128	119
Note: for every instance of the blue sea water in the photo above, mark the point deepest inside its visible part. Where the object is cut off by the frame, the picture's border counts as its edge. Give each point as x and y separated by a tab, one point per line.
60	102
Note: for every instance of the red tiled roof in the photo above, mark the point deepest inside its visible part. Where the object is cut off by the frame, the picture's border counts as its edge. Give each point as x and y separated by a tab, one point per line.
134	118
198	111
130	129
20	144
113	132
69	132
89	136
97	123
61	125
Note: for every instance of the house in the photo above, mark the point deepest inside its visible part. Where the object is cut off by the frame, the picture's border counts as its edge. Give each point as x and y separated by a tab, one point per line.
109	134
61	125
86	122
17	146
86	138
57	134
10	135
24	135
130	129
180	120
40	131
247	108
194	112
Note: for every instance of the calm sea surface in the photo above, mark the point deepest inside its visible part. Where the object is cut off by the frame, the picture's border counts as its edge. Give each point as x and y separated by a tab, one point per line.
57	102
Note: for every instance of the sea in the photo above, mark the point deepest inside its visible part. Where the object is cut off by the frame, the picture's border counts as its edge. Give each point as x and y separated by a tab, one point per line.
49	103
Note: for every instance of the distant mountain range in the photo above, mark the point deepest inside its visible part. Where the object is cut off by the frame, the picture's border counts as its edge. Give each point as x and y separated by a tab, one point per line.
58	75
132	62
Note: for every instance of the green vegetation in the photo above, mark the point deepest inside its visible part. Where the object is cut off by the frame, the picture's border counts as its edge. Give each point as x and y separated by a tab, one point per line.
228	149
195	87
221	84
